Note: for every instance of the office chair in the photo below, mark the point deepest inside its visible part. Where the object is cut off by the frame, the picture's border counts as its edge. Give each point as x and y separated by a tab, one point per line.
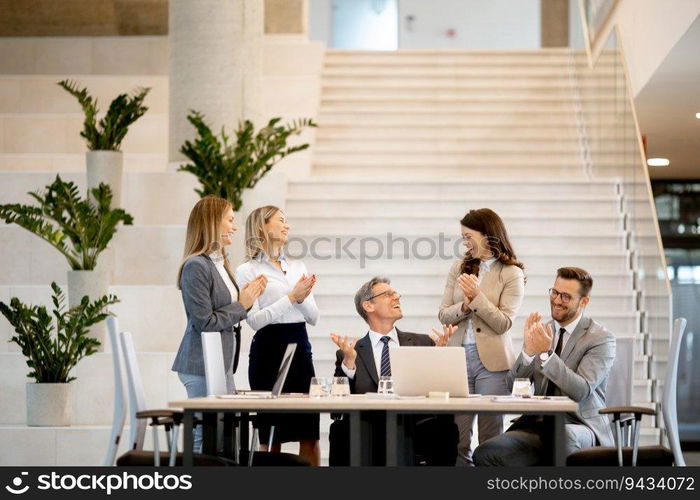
216	378
627	449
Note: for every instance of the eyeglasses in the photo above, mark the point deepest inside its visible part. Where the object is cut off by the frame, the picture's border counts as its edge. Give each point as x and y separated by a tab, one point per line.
390	293
565	297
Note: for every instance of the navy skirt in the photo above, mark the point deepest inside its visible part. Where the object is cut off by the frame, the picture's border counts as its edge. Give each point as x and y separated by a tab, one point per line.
266	351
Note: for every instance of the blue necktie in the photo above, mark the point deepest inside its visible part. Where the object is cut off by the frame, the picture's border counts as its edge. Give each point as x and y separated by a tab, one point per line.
385	365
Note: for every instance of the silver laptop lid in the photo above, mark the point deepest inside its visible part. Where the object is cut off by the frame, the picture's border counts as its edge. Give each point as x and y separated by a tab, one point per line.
283	370
418	370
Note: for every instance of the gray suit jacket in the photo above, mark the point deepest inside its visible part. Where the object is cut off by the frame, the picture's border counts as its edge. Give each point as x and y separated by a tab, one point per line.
366	378
209	309
581	373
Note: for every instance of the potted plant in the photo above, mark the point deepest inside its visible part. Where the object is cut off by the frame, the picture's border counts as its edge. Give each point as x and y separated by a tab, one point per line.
53	346
78	228
227	169
104	160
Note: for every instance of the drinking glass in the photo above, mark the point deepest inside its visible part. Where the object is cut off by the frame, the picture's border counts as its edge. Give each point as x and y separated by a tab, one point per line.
386	385
320	387
522	387
341	387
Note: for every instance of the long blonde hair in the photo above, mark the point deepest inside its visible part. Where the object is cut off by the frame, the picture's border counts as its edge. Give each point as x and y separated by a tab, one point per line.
204	231
257	240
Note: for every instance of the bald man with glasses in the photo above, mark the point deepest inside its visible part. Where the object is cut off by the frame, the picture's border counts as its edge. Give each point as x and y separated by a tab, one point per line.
569	356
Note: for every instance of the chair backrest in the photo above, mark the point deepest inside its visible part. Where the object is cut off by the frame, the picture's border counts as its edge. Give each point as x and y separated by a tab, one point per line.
619	389
668	399
214	363
119	415
137	398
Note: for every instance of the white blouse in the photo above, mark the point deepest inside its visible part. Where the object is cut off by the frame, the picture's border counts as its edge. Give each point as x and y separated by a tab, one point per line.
273	306
218	261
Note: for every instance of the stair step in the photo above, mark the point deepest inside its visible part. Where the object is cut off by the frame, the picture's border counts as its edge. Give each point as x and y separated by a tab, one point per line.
60	133
455	186
332	205
81	445
455	71
75	162
427	81
518	223
41	94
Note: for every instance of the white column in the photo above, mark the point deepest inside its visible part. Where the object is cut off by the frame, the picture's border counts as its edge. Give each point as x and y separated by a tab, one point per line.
215	65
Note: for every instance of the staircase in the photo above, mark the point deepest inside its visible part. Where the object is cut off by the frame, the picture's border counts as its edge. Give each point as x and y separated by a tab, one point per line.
408	141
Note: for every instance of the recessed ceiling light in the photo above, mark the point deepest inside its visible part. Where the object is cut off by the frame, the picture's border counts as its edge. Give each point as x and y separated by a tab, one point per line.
658	162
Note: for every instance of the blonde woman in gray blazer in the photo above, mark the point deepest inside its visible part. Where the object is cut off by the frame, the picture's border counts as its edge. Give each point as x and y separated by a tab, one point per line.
482	296
213	302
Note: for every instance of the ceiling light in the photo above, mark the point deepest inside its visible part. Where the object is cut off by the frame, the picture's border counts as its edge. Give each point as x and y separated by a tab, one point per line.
658	162
697	115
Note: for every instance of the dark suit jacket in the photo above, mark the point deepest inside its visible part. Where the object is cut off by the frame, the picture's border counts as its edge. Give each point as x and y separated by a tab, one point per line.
435	439
366	378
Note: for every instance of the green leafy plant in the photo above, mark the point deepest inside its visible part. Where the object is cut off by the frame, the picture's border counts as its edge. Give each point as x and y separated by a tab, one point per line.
108	134
226	169
53	346
78	228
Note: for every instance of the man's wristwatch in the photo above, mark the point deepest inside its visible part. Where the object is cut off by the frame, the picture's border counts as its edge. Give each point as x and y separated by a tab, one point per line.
544	356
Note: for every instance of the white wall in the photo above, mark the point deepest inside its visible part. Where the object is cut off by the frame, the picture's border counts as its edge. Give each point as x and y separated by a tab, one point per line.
320	21
496	24
492	24
649	30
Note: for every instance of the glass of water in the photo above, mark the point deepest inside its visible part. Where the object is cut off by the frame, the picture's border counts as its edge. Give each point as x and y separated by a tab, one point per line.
341	387
522	387
320	387
386	385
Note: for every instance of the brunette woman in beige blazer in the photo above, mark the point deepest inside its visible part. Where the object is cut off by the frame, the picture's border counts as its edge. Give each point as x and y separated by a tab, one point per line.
482	295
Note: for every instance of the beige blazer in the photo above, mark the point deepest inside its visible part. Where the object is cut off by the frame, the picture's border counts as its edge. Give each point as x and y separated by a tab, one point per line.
492	312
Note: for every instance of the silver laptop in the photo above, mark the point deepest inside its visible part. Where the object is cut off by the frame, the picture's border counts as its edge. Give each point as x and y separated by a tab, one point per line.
279	383
419	370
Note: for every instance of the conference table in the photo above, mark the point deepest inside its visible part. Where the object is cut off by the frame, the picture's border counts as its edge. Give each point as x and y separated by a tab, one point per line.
357	407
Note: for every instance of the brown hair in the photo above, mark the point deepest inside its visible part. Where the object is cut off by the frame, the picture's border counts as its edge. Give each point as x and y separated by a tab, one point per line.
581	275
257	240
488	223
204	231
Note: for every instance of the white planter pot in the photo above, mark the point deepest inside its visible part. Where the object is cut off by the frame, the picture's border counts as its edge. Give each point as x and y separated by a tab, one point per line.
94	284
50	404
107	167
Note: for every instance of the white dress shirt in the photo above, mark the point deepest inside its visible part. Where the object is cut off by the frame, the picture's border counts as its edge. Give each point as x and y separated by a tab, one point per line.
273	306
484	267
377	347
218	261
568	330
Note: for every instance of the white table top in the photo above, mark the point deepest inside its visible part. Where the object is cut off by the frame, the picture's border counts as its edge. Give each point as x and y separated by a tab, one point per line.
361	402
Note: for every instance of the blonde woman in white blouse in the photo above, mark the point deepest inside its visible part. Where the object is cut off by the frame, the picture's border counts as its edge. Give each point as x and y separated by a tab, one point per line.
279	317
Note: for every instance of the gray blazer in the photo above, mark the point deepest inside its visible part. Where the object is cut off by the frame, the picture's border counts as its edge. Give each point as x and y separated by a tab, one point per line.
209	309
580	373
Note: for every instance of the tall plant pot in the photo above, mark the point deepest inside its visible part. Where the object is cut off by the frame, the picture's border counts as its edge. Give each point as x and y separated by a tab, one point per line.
50	404
94	284
107	167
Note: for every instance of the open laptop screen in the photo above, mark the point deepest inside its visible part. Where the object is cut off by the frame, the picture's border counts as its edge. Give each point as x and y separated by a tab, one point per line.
284	369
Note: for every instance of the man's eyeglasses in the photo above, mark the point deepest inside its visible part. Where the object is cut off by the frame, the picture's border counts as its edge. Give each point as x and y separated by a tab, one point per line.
390	293
565	297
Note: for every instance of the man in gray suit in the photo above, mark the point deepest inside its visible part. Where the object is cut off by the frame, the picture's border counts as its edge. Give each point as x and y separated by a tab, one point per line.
569	356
